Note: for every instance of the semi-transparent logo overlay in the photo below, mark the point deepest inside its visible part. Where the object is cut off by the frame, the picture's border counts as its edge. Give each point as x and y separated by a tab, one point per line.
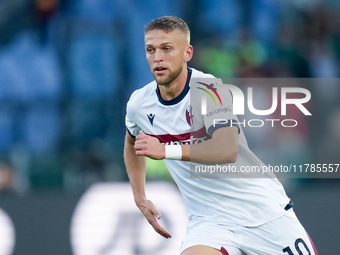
287	128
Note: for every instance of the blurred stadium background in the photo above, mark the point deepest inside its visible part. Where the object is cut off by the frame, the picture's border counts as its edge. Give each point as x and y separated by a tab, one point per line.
67	68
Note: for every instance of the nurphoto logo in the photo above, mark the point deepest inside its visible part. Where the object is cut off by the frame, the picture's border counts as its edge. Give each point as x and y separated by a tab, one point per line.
240	102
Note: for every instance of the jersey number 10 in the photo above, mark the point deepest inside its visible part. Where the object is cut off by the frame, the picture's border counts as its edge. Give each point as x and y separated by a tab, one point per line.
297	242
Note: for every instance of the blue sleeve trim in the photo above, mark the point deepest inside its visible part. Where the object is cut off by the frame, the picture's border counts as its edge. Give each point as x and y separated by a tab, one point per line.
130	133
289	205
230	123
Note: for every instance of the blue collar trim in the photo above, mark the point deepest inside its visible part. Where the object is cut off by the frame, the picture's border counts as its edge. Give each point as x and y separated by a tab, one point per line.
180	96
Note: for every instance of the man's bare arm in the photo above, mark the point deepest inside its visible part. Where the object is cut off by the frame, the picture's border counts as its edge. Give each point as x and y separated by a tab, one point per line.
136	169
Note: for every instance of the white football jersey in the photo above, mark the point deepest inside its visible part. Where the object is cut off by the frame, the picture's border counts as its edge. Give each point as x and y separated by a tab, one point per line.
231	201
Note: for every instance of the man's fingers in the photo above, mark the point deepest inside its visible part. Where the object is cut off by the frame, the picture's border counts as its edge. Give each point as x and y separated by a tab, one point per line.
163	232
139	145
155	224
159	229
156	212
140	149
153	215
141	135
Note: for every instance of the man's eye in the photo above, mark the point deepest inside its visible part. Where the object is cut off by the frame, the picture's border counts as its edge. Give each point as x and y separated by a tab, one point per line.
149	50
167	49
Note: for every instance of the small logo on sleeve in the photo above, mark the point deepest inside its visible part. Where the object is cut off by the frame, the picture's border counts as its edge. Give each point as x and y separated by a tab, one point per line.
151	117
214	90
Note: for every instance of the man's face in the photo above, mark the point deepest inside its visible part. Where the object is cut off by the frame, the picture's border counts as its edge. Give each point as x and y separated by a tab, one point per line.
167	54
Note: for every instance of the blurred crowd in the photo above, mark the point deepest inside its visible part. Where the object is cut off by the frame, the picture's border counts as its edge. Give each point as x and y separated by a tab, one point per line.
67	69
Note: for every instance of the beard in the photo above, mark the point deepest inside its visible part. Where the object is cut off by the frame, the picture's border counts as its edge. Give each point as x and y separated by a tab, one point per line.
165	81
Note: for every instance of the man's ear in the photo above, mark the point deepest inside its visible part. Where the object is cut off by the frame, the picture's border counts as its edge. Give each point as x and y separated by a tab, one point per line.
188	53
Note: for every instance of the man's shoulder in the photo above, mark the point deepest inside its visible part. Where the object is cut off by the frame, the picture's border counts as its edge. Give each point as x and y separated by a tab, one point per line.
145	91
199	74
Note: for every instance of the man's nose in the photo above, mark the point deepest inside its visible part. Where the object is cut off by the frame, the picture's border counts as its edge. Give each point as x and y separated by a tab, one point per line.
158	55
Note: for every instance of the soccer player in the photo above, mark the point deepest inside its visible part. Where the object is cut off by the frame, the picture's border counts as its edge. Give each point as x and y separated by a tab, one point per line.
231	216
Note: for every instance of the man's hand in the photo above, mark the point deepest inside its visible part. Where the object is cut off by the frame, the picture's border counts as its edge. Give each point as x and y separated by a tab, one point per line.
152	215
149	146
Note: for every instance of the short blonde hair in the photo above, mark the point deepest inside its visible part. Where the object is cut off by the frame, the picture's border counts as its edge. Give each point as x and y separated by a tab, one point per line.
168	24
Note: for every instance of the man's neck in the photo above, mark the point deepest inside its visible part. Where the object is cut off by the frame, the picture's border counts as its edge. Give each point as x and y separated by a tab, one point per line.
173	90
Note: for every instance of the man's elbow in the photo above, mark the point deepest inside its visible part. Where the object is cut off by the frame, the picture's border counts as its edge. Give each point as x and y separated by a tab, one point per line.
228	156
232	157
233	152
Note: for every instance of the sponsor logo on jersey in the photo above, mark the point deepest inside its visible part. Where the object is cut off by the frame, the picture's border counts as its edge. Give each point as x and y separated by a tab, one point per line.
194	137
151	117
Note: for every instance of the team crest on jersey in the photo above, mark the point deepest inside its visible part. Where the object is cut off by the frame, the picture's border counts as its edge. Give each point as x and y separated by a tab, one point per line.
189	116
151	117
